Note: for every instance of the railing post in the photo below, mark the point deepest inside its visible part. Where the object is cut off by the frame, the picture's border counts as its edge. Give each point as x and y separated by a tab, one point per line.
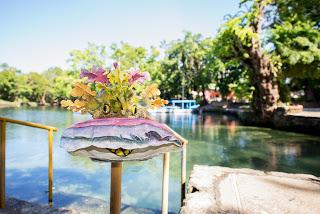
115	189
165	182
183	172
3	165
50	173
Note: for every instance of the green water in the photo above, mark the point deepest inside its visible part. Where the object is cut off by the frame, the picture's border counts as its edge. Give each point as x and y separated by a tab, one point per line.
213	140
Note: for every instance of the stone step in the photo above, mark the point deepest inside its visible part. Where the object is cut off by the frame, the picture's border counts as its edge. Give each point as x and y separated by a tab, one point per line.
214	189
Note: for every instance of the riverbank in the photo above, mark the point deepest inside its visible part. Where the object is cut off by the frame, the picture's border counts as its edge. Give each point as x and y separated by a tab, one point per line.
295	119
214	189
7	104
16	104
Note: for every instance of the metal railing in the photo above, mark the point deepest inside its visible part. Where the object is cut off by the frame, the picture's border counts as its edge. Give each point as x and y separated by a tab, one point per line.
3	122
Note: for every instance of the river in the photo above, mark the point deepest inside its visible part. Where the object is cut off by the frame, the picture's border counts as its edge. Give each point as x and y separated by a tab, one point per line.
84	184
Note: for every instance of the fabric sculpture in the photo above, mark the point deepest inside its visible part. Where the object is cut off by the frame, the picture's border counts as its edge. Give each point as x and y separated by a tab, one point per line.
120	139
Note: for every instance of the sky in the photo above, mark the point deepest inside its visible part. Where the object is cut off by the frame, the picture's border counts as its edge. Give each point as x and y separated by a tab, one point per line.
38	34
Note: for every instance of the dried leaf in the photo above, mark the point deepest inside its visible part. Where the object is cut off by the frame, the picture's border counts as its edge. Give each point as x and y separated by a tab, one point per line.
66	103
157	103
80	90
151	91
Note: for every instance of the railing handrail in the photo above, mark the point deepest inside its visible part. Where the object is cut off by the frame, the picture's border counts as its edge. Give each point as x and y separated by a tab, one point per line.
35	125
50	129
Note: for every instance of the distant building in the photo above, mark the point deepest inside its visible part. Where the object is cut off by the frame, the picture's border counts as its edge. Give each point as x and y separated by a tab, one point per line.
212	95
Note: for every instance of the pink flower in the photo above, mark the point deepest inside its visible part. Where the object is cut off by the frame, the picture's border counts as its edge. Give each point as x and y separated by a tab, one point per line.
97	75
135	76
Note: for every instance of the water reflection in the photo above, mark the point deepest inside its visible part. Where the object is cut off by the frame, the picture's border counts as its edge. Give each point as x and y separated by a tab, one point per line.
213	140
221	140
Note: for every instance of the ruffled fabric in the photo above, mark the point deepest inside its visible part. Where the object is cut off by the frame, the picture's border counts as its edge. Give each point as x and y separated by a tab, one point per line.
99	138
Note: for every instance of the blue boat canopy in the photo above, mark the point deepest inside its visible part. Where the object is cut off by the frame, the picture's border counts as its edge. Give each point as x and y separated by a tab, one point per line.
184	104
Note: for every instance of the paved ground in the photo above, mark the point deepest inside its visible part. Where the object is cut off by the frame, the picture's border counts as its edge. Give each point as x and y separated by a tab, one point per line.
225	190
308	112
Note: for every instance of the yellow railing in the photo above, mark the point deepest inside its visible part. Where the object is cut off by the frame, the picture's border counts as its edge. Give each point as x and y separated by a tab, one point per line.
3	122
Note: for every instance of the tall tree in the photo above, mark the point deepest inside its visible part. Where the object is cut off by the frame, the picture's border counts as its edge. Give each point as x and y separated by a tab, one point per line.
12	83
61	82
129	56
296	39
300	9
186	66
38	87
93	55
240	39
138	57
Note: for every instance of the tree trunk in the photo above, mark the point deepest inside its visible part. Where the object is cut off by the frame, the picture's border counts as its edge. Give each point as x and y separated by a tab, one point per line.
204	101
266	93
43	98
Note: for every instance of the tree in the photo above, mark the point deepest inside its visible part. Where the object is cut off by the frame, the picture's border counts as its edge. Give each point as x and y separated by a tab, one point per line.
232	78
93	55
61	82
187	66
12	83
240	40
139	58
300	9
129	56
296	39
8	85
38	87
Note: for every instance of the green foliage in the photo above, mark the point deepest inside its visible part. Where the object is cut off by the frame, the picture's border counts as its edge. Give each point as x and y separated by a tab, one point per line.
51	86
233	64
231	77
296	38
187	66
138	57
10	83
302	10
93	55
129	56
298	45
37	88
60	84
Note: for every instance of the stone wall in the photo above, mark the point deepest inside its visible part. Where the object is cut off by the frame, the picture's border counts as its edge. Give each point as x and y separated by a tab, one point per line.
303	124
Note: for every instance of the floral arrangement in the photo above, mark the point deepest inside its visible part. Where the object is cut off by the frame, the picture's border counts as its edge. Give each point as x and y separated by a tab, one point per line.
114	93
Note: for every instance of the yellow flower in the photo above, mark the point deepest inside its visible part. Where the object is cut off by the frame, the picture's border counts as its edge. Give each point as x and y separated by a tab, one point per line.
79	103
150	91
157	103
66	103
80	90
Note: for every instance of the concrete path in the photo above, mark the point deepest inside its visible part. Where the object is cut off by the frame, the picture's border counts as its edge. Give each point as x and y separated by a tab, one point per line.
224	190
308	112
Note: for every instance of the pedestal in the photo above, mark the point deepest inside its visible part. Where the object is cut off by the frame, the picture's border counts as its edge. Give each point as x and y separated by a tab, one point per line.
115	193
